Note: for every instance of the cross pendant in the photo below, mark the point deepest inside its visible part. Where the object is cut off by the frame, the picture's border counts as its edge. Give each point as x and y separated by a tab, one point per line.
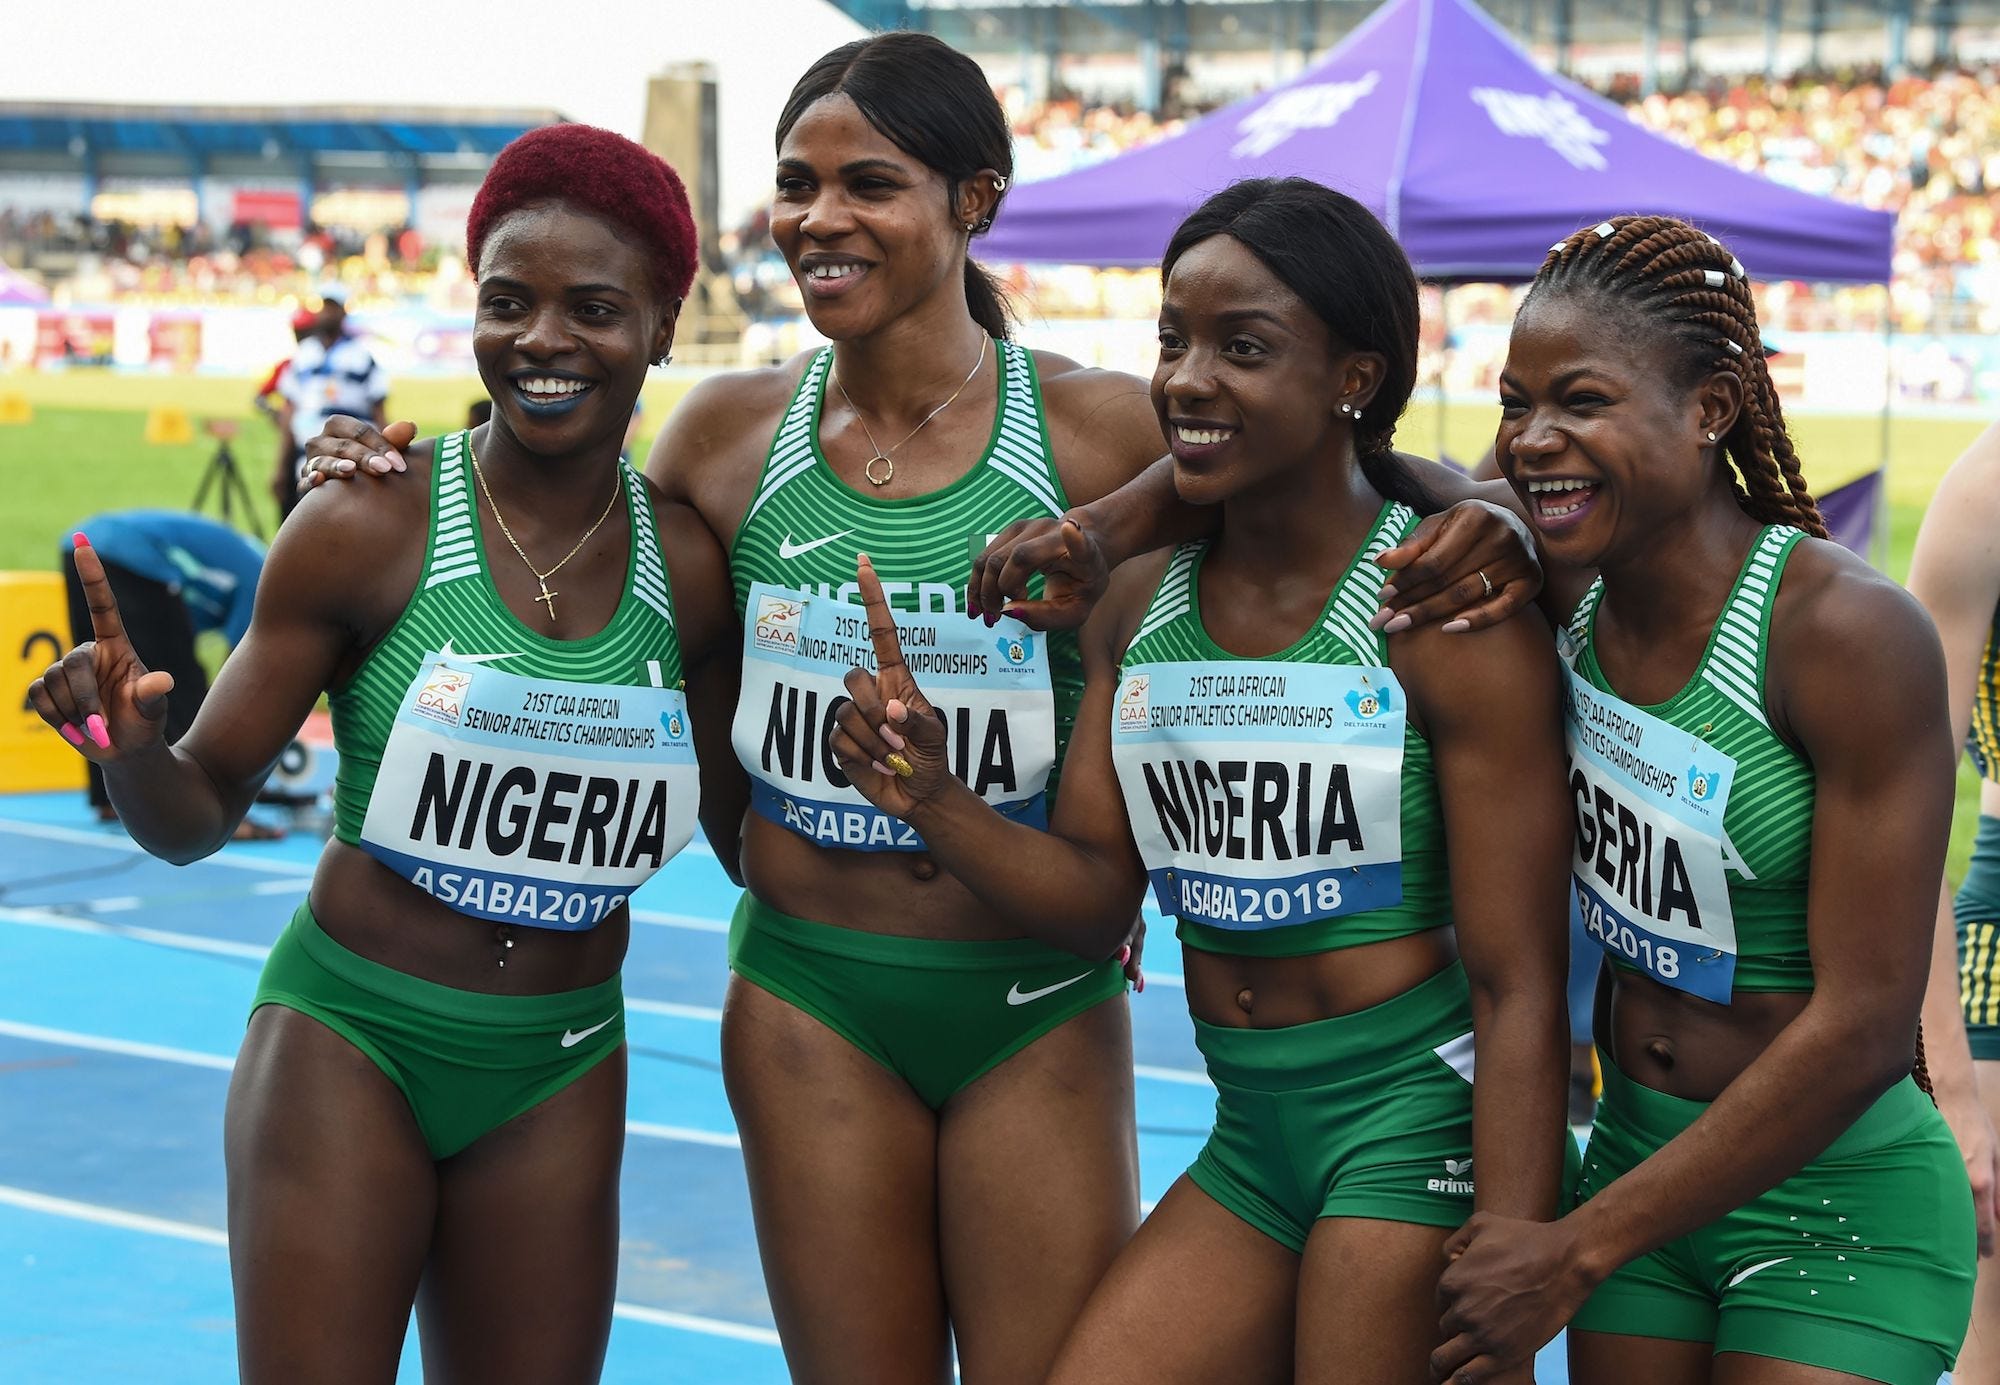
547	597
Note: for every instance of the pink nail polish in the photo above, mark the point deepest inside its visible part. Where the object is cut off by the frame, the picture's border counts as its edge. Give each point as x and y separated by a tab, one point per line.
1397	626
1124	954
79	540
72	735
98	731
1139	984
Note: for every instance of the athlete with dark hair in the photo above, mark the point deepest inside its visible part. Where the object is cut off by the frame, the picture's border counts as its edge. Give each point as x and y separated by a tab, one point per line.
1761	765
429	1102
1315	802
936	1110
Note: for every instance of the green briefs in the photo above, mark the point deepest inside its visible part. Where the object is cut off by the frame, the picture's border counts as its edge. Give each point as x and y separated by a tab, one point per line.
1361	1115
1860	1262
467	1062
1977	907
938	1014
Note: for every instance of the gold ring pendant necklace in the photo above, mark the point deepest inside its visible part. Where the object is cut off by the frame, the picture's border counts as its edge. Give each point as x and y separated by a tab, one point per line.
882	453
547	597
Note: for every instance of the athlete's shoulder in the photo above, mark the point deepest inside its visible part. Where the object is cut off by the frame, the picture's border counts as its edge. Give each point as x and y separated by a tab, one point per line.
1102	426
1127	597
356	545
1842	633
738	400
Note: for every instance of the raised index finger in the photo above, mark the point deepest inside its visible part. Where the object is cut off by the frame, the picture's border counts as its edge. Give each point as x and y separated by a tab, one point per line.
105	624
881	620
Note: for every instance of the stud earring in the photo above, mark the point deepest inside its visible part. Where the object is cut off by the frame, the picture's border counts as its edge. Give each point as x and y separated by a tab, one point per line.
1357	415
971	226
1711	436
1347	408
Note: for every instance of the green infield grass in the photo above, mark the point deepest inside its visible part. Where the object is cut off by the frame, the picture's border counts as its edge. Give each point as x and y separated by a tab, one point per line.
85	452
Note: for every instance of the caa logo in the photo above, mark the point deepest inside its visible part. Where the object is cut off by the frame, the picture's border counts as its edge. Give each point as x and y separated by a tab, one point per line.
1367	702
1703	784
1016	649
675	724
442	697
1135	702
777	625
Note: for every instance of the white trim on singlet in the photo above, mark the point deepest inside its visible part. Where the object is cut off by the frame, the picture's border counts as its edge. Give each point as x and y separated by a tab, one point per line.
454	546
1174	595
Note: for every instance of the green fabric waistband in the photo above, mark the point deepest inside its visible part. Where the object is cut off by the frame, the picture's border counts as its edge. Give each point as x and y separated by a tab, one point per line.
1656	1117
1435	1011
499	1011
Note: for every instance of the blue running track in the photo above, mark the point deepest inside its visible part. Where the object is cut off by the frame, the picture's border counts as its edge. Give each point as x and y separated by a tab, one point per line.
127	983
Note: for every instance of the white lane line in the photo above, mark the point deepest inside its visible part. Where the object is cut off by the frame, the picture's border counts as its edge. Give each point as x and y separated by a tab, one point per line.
684	1135
98	1043
690	922
1186	1077
115	904
674	1009
77	837
111	1216
297	886
205	1235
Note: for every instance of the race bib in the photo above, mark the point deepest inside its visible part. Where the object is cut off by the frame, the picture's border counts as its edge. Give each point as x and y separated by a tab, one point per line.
990	685
530	801
1263	794
1649	800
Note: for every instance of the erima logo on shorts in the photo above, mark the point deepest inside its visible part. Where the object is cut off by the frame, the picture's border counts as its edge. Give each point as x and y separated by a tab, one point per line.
1456	1178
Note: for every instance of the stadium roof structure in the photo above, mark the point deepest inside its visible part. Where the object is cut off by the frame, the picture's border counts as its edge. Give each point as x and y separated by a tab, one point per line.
1474	157
35	132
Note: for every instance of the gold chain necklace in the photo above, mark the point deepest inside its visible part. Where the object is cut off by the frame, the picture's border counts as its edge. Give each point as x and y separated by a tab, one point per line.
547	597
883	456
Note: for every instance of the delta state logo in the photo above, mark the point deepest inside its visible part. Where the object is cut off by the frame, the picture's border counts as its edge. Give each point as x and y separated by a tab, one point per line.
1368	701
674	724
1703	784
1551	118
776	627
1016	649
1135	702
442	697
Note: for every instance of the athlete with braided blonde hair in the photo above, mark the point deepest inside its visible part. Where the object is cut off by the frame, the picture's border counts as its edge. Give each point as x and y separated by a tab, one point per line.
1761	770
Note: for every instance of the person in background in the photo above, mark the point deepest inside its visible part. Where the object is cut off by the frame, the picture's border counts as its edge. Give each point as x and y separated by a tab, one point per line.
270	401
1955	573
175	576
333	373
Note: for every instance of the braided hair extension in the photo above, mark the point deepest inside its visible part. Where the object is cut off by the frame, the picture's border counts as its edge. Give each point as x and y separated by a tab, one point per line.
1697	295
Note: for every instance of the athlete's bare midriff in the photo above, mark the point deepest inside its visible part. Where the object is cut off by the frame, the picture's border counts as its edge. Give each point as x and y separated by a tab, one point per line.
370	910
901	894
1277	992
1683	1045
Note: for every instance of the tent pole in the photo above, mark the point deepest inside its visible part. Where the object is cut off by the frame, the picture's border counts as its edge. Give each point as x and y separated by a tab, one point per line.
1444	354
1880	543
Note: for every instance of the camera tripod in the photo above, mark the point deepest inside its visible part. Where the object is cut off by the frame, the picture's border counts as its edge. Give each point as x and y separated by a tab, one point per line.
226	479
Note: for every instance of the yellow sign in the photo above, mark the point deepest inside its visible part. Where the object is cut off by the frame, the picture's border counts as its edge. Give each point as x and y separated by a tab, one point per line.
169	426
34	633
15	408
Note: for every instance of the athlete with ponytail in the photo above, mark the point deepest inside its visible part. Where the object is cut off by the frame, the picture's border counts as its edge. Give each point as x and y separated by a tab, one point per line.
1761	774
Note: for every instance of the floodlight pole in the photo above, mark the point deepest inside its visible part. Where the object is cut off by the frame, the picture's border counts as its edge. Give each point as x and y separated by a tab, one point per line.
1879	540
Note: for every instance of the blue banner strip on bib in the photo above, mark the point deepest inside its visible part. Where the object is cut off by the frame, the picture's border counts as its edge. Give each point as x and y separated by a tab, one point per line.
1222	901
1707	972
504	898
865	827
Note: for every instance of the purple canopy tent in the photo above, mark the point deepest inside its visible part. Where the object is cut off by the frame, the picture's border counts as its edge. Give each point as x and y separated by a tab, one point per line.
1476	159
16	291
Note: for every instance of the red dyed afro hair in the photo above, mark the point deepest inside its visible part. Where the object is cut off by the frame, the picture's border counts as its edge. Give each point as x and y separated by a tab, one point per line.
596	171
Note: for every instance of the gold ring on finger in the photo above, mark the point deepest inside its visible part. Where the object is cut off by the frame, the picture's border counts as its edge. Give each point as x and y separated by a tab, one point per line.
896	762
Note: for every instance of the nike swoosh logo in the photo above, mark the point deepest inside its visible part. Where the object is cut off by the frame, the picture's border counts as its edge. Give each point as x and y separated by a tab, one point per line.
788	549
573	1037
1742	1275
1017	996
457	656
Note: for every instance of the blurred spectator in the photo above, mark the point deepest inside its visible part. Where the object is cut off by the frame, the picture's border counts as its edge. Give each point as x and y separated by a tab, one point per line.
175	576
332	373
